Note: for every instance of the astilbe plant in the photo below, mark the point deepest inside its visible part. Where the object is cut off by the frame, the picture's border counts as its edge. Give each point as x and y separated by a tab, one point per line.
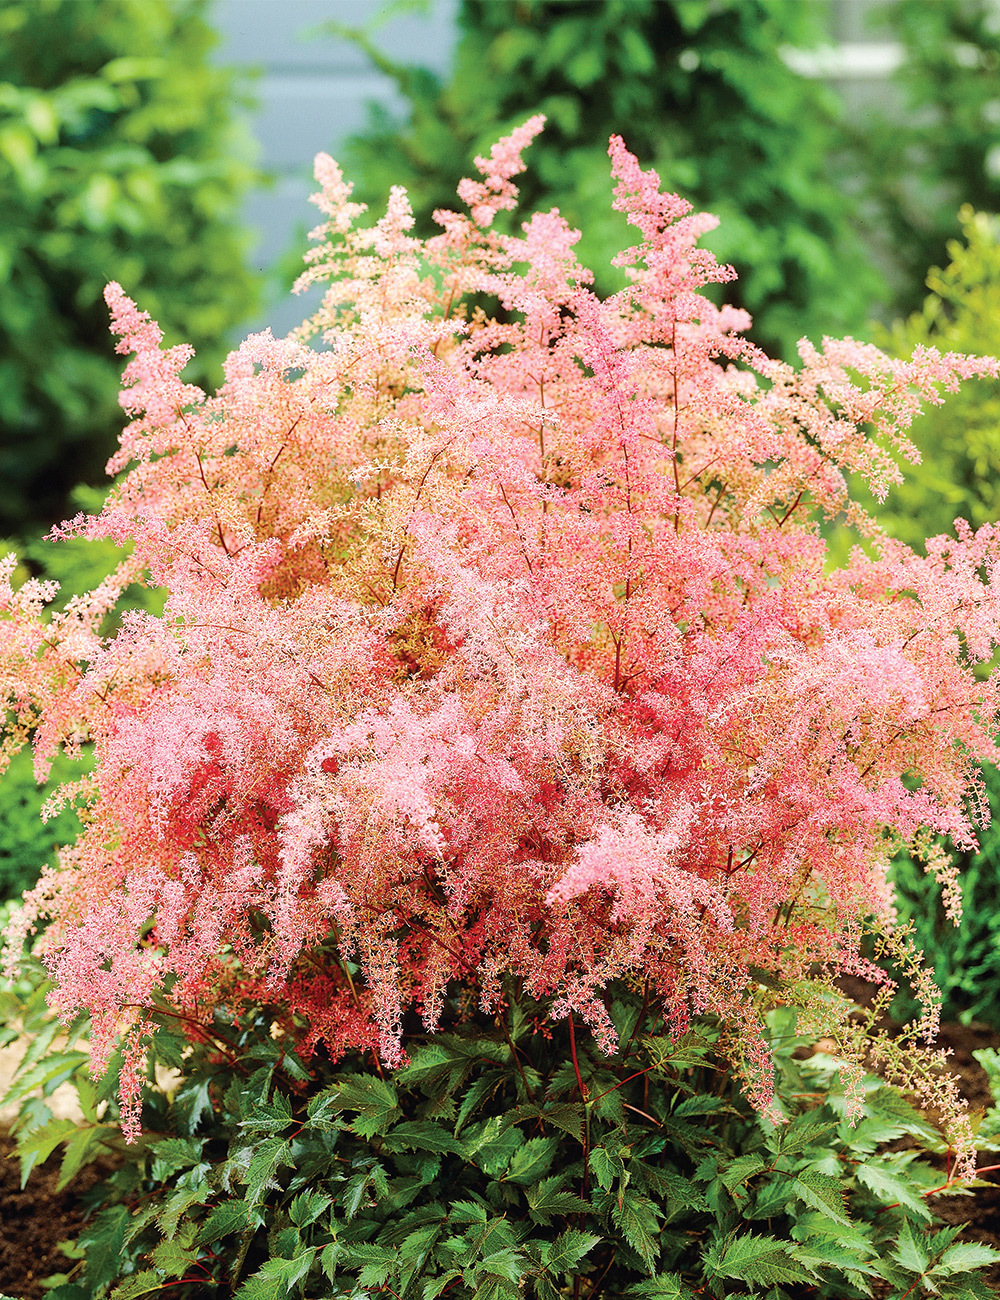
499	654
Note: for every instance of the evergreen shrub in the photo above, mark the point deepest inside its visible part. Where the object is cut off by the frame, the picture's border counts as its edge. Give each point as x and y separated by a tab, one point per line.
119	157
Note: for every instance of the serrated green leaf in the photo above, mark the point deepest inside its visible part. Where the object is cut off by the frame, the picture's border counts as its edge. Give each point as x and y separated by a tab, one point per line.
491	1287
673	1193
291	1063
85	1145
285	1241
508	1263
39	1047
820	1255
467	1212
269	1116
329	1259
549	1199
684	1053
480	1090
177	1204
801	1134
966	1254
910	1252
191	1103
105	1243
46	1074
531	1161
606	1166
490	1149
226	1219
637	1220
441	1064
307	1207
171	1155
693	1139
667	1286
569	1116
891	1189
873	1132
432	1217
261	1173
171	1258
375	1100
361	1254
756	1259
741	1169
422	1135
568	1249
434	1286
274	1279
36	1147
376	1275
353	1194
144	1283
970	1288
811	1226
823	1193
702	1103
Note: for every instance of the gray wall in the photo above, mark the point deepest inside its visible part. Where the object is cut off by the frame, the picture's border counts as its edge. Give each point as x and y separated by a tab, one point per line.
312	92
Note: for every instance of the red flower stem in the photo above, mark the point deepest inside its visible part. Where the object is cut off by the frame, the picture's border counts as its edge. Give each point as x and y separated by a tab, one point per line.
623	1082
586	1123
576	1064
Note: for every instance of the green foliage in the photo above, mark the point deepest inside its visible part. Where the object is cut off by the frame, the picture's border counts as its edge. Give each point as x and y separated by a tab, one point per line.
480	1169
27	842
118	160
959	444
699	90
940	148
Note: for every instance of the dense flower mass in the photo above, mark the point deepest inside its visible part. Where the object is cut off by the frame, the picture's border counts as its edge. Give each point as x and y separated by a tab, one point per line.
499	643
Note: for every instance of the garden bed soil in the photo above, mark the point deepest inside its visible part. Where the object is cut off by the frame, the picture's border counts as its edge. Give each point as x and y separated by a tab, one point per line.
34	1221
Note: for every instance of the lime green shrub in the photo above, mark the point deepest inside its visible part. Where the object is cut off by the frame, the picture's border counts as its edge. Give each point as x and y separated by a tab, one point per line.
959	471
701	92
118	158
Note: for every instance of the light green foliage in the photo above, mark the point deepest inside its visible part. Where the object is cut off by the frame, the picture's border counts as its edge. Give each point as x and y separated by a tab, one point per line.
697	88
959	443
479	1170
118	160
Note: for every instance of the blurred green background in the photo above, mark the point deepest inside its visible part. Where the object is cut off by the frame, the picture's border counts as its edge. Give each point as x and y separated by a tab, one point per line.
851	148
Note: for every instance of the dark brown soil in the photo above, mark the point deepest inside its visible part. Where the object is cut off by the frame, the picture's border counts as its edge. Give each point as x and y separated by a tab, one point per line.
34	1221
982	1210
